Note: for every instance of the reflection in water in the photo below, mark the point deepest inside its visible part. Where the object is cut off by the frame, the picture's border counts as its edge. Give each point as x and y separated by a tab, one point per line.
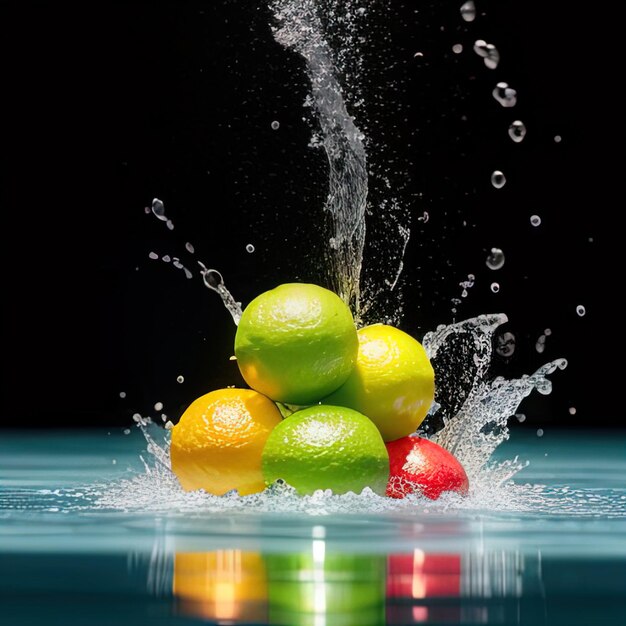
322	587
416	578
221	585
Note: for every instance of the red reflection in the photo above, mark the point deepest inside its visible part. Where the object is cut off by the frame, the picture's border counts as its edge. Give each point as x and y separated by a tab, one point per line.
415	578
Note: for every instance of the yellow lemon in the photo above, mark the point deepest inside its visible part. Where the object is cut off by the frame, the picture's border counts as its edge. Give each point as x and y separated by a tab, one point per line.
393	382
218	441
296	343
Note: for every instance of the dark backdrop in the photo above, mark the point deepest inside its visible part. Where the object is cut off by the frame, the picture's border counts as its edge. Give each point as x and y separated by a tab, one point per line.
107	105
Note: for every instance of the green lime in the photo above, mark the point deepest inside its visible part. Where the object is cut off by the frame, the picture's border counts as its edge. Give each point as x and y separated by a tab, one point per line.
327	447
296	343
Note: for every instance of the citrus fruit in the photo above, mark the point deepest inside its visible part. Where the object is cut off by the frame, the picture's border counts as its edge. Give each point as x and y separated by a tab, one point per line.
296	343
393	382
217	443
327	447
418	465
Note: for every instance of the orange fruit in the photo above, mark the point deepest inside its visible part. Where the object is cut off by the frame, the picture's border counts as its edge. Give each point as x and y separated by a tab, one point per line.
327	447
296	343
217	443
393	382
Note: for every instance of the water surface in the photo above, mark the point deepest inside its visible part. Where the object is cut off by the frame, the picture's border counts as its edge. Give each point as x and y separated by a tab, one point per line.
66	557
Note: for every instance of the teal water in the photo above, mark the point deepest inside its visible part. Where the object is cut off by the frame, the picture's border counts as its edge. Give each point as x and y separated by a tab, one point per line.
79	546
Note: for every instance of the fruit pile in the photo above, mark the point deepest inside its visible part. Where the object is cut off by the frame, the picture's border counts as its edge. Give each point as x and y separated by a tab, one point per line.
329	407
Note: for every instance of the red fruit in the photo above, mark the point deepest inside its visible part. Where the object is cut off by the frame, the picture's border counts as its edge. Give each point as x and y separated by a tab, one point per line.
418	465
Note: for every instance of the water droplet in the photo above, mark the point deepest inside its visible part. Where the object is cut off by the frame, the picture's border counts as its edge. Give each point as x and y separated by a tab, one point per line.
489	54
147	210
189	248
250	248
505	344
166	258
480	48
127	431
114	461
557	138
163	417
540	345
275	125
572	410
466	284
188	274
153	255
180	379
495	287
520	417
457	48
169	425
158	406
547	332
424	218
170	224
495	260
158	209
212	279
535	220
498	179
468	11
517	131
540	432
122	394
493	57
580	310
505	95
418	54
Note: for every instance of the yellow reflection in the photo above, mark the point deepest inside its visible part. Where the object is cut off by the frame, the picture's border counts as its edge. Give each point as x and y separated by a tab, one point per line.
221	585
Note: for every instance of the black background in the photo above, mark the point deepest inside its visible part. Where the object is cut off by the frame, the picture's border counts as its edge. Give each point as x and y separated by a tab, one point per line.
109	105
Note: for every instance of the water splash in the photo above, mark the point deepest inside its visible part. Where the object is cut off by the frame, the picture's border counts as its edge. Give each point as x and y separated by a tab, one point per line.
213	280
473	417
479	425
299	27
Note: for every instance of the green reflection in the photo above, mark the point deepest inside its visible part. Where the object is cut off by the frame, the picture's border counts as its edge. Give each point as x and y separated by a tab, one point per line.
318	587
